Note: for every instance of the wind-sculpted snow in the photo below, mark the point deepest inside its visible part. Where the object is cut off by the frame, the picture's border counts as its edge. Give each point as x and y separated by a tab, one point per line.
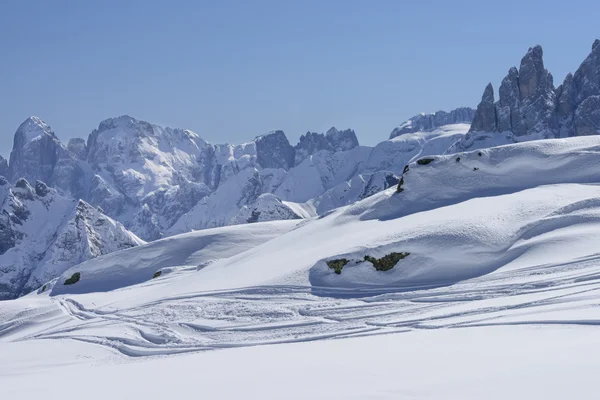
192	251
473	264
505	169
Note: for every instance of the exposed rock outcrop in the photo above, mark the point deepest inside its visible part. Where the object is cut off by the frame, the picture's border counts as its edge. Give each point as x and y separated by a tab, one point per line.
334	140
43	233
530	107
485	116
273	150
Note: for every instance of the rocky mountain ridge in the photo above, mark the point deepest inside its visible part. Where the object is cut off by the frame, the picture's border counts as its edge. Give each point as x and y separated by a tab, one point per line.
427	122
43	233
148	176
530	107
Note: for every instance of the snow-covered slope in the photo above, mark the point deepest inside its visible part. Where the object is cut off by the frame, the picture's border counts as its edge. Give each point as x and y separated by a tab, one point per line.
187	252
500	243
481	209
392	155
42	234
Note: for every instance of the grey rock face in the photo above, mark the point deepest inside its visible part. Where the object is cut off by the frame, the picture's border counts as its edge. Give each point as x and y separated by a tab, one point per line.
267	207
273	150
341	140
566	95
508	108
530	106
485	116
574	92
333	140
587	77
63	233
587	117
527	103
427	122
35	151
3	166
78	147
310	143
538	98
38	155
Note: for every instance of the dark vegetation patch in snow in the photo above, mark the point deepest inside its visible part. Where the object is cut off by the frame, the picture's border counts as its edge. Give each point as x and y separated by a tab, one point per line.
157	274
73	279
399	187
386	262
337	265
425	161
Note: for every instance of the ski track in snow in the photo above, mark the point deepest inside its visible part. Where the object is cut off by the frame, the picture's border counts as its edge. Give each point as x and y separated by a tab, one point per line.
538	295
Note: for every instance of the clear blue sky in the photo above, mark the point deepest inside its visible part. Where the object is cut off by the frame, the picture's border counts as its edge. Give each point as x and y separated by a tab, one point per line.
231	70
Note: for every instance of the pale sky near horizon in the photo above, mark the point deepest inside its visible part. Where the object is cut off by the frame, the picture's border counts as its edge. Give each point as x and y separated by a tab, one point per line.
232	70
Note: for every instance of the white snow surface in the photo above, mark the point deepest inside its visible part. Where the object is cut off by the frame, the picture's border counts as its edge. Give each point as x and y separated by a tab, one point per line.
498	298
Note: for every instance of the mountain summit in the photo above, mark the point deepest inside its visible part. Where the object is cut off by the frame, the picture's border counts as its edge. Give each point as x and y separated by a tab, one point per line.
529	107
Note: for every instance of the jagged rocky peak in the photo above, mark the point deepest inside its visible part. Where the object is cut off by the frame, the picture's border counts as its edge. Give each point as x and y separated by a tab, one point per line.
42	233
531	108
309	144
527	103
31	129
341	140
34	152
428	122
38	155
273	150
485	115
78	147
332	140
125	122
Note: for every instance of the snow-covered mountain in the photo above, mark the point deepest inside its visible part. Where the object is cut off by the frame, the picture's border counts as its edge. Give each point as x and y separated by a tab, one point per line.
161	181
428	122
530	107
43	233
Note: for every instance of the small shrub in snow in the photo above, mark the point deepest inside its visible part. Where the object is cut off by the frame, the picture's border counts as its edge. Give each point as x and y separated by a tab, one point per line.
43	289
424	161
405	169
475	169
457	159
73	279
157	274
337	265
386	262
480	154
